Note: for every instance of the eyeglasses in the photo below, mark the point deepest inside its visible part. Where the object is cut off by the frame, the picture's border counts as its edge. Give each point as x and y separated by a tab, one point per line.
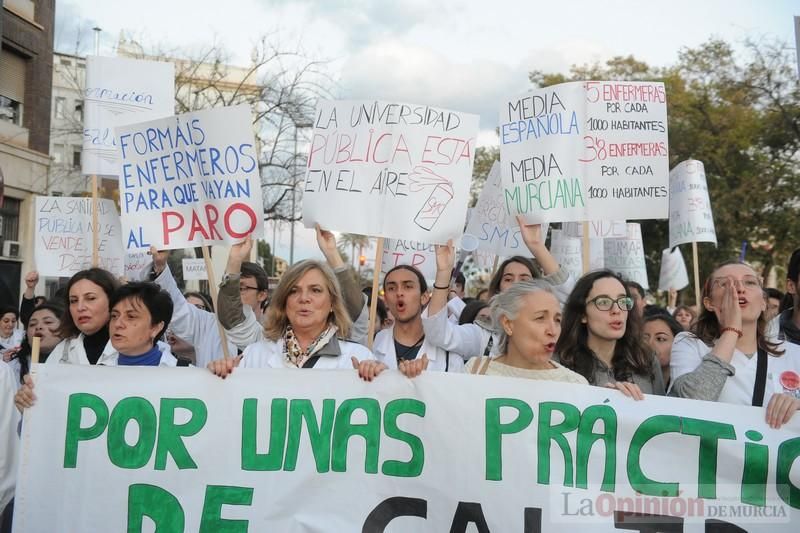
245	288
605	303
747	282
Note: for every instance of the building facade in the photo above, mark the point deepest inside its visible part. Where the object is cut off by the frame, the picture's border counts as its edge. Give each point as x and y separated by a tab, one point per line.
26	64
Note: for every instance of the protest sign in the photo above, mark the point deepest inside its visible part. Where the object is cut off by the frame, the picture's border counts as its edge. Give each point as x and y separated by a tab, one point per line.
690	217
393	170
496	230
568	251
598	229
417	254
673	273
194	268
135	263
64	236
121	91
182	450
190	180
626	256
585	151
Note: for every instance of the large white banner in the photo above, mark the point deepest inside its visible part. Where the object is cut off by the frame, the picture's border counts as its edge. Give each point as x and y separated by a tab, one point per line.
64	236
121	91
109	448
690	216
585	151
390	169
190	180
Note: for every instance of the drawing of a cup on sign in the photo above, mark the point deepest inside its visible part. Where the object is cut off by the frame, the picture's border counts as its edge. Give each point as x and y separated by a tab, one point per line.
441	193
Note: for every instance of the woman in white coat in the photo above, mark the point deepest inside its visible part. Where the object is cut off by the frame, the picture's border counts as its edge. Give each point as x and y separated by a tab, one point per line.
305	327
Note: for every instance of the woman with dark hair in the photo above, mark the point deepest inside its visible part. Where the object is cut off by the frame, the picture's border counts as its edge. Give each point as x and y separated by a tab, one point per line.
728	357
44	323
475	310
658	331
601	340
306	326
140	314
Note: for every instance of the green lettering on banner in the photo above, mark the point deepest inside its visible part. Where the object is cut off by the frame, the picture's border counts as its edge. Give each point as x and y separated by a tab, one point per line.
273	459
159	505
344	429
587	438
549	432
709	433
788	451
216	497
319	435
754	473
170	434
496	429
413	467
74	432
652	427
122	454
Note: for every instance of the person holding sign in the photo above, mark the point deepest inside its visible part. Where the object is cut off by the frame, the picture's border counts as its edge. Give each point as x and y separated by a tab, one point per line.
305	326
406	294
528	317
601	340
728	357
471	339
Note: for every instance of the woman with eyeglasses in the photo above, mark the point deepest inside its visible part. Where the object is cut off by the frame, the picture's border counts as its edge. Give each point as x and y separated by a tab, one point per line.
601	340
728	357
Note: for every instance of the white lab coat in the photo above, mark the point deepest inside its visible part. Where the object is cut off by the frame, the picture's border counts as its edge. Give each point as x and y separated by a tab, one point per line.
334	355
197	327
466	340
385	352
71	352
9	441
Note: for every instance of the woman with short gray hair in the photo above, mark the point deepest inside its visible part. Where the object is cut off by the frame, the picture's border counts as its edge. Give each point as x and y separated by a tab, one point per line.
527	316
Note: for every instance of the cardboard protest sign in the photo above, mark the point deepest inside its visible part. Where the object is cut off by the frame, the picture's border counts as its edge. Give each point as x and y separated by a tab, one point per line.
390	169
568	251
190	180
121	91
690	217
417	254
594	150
179	449
673	273
626	256
194	268
64	236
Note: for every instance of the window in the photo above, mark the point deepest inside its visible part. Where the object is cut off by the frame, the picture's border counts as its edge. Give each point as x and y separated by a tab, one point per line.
10	214
60	103
76	157
10	110
78	114
58	154
12	87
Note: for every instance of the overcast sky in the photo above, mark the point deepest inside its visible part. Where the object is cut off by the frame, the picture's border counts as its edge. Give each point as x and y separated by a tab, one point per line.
462	55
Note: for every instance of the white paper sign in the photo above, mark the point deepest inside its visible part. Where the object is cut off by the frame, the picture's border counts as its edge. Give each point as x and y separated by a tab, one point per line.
190	180
690	217
673	271
64	241
497	232
417	254
626	256
568	251
598	229
594	150
389	169
178	449
194	268
121	91
135	263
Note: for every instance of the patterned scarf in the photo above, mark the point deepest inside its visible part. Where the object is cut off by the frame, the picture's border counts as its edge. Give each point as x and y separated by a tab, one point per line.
295	356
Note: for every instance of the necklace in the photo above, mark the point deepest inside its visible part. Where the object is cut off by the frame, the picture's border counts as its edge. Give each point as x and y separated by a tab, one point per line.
407	349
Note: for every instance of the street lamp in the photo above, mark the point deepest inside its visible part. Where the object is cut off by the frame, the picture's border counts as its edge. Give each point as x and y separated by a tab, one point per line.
297	126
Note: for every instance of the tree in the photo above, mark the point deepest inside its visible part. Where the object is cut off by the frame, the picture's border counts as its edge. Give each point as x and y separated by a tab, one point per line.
264	254
355	241
740	116
485	156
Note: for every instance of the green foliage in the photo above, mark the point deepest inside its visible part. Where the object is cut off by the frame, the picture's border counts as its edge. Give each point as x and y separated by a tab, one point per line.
264	254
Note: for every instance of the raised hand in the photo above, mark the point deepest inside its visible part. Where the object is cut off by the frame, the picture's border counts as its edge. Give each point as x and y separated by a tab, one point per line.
326	241
159	259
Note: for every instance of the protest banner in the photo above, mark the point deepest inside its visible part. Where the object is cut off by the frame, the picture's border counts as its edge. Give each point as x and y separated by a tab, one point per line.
417	254
194	268
64	230
567	251
121	91
496	230
190	180
392	170
690	217
673	273
593	150
181	450
626	256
